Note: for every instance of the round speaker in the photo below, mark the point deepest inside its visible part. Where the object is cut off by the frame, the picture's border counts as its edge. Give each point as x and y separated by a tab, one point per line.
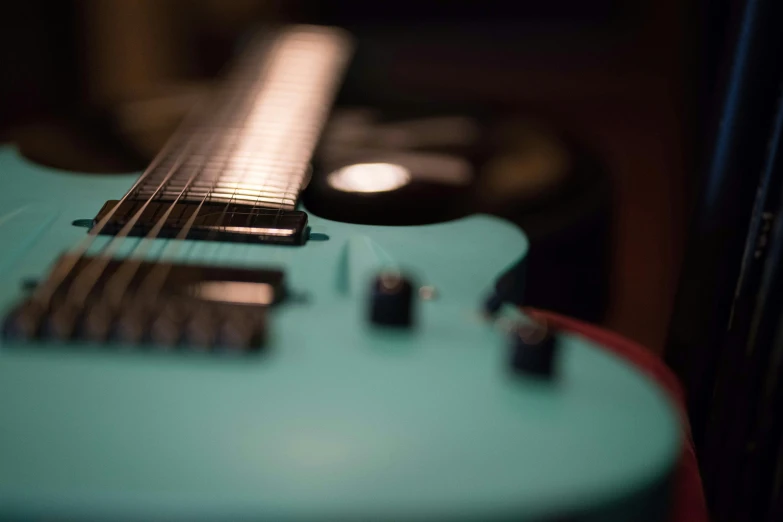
409	165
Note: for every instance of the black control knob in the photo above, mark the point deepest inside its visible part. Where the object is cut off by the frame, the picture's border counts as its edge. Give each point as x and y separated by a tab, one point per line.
534	349
492	304
508	289
391	300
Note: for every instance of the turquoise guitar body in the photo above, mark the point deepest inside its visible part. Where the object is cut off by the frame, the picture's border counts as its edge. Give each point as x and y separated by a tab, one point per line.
336	419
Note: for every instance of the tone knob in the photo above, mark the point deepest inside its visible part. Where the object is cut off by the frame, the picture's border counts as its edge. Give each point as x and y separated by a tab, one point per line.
534	349
391	300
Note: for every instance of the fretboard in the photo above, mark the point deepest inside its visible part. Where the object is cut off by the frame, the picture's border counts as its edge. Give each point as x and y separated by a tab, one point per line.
253	141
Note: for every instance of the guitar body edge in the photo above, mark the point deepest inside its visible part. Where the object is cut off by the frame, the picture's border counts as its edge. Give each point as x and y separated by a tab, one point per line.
337	418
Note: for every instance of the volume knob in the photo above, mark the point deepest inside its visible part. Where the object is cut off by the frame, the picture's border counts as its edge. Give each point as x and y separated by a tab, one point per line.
534	349
391	300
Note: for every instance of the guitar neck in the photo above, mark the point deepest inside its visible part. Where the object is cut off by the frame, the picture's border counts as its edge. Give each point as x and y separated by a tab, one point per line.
251	144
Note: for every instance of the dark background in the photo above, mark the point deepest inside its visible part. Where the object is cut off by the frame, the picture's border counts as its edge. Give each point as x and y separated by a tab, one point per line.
98	85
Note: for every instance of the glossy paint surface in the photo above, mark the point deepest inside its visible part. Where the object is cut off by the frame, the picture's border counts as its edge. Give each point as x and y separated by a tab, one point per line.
337	419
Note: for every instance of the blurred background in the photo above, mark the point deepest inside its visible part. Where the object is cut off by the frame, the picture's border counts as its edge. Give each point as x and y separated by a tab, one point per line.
613	99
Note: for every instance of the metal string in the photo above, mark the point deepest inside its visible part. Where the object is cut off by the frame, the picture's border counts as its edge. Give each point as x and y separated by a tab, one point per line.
118	283
84	282
82	285
157	275
45	292
153	283
122	277
283	140
318	106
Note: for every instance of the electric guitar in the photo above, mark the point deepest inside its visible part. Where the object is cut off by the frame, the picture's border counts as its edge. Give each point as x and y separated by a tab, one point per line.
192	343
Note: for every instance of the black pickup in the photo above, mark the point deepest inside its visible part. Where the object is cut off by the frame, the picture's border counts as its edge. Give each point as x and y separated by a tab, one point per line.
214	221
195	307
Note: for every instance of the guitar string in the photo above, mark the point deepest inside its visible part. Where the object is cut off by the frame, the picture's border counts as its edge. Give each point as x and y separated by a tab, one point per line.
117	285
45	293
269	180
82	285
118	282
153	281
287	188
85	281
273	166
317	104
78	293
153	284
249	163
294	183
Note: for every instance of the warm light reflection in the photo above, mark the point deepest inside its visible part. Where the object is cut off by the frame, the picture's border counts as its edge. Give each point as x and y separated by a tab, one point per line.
369	177
261	231
260	132
283	122
237	292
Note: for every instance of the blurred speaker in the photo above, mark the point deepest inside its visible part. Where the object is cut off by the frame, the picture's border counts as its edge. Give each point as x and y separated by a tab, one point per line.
407	165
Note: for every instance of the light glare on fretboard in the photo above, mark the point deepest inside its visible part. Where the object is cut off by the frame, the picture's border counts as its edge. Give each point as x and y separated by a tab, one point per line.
257	151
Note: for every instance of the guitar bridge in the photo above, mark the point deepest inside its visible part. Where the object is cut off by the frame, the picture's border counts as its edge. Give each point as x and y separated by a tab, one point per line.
213	221
195	307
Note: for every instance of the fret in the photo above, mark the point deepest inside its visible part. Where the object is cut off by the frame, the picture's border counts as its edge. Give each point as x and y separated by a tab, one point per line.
225	185
252	200
195	192
225	181
254	142
219	162
209	195
222	171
